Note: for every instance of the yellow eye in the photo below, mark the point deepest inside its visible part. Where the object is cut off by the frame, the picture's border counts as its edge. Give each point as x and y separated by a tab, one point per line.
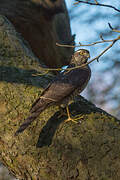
81	53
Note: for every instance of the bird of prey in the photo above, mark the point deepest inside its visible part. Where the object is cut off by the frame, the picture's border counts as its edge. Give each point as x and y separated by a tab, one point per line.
63	88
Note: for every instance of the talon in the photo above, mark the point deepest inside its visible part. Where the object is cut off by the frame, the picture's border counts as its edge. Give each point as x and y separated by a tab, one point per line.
71	119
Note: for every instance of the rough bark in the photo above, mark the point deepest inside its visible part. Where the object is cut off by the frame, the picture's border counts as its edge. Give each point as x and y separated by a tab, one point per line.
50	149
42	23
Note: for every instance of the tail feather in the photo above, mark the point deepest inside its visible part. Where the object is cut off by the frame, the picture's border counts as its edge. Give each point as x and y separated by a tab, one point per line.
27	122
34	114
38	104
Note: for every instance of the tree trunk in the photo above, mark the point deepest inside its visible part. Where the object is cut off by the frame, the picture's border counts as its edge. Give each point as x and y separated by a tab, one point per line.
42	23
50	149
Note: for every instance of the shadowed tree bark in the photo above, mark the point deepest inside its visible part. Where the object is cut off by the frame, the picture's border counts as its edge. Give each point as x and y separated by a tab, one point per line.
49	149
42	23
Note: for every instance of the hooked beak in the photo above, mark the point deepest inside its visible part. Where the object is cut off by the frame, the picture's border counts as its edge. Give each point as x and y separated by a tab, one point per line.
88	56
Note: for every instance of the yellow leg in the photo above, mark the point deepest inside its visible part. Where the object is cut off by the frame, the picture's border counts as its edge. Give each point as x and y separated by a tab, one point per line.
70	118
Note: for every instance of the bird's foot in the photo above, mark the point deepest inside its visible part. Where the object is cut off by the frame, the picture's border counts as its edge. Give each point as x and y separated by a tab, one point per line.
75	120
72	119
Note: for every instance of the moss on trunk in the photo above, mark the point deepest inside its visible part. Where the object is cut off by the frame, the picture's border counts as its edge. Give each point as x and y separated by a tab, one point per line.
50	149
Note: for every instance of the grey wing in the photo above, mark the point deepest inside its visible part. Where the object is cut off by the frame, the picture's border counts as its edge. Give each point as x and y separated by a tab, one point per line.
67	83
54	93
63	86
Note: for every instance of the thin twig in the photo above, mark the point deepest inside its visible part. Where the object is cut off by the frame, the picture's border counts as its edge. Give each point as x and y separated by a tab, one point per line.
80	44
97	4
103	52
113	29
94	43
96	58
66	45
40	74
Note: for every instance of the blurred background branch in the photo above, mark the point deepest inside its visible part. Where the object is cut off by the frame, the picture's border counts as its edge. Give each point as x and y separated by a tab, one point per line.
96	4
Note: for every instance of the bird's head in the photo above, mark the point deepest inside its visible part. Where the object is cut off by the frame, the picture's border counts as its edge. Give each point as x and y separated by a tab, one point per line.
80	57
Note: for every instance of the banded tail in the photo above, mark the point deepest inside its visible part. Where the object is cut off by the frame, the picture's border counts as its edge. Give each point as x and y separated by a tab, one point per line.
37	107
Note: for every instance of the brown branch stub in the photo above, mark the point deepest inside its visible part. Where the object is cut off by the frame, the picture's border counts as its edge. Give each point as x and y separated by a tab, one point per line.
101	37
97	4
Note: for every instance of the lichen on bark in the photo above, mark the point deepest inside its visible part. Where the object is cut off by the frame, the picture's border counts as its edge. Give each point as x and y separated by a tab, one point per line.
50	149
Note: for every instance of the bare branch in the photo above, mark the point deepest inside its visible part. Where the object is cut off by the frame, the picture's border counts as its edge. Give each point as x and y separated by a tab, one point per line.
41	74
66	45
96	4
113	29
96	58
94	43
103	52
91	44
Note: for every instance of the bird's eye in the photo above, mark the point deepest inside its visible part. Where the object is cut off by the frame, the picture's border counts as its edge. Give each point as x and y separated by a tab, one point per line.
81	53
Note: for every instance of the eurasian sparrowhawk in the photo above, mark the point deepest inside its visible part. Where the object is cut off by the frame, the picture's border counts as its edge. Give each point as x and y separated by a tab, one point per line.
63	88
